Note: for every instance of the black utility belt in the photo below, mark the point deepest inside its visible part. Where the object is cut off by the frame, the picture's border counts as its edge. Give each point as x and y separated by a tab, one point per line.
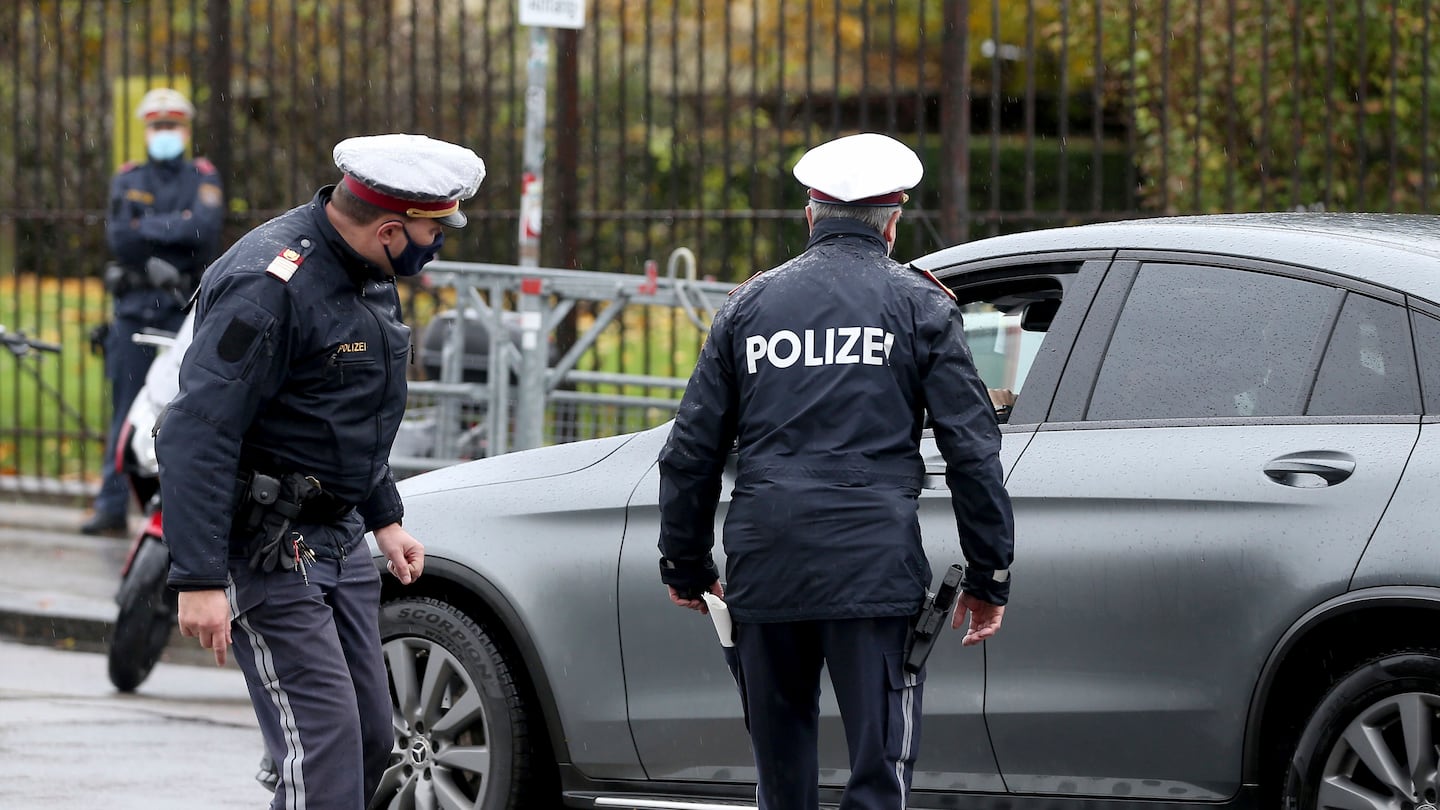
269	506
120	279
325	508
297	496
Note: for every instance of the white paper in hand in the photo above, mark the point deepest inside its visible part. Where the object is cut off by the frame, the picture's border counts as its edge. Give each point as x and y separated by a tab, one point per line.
720	614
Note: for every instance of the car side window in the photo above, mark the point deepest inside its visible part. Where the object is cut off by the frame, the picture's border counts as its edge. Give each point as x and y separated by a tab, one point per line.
1369	367
1427	346
1195	341
1005	326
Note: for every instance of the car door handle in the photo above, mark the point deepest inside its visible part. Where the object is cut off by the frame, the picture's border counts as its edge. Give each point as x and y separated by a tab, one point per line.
1315	469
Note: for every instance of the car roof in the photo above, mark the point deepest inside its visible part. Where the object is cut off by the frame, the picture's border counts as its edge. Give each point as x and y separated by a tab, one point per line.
1401	251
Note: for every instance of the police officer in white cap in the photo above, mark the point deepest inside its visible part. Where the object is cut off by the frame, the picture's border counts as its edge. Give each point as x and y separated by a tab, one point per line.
274	456
162	226
821	371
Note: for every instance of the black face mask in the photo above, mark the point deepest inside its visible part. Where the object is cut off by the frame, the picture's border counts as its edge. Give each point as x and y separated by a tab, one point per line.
414	257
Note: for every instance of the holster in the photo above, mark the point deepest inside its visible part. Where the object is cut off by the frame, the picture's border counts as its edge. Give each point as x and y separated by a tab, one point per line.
98	336
268	505
156	274
121	278
931	620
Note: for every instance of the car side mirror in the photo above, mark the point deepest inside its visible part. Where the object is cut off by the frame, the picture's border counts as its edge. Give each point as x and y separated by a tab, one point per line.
1039	314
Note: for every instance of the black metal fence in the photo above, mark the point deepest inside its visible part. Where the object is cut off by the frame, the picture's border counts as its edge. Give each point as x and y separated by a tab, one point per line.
675	122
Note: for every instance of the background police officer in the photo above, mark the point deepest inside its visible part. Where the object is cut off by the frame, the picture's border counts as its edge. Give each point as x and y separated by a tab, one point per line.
822	370
274	456
163	227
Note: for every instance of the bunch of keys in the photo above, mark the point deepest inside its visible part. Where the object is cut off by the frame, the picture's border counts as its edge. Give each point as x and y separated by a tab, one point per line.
303	556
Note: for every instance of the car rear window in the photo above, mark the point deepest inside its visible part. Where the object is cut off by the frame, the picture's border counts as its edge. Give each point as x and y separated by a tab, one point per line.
1369	367
1195	341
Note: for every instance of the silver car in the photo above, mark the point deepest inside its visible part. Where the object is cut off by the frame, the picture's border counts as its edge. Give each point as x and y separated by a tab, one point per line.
1226	480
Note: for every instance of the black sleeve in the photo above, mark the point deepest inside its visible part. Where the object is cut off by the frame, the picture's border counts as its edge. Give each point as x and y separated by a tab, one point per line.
195	226
126	243
236	361
384	506
691	464
969	439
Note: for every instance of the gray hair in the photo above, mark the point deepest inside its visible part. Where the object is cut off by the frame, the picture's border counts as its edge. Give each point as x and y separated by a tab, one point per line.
876	216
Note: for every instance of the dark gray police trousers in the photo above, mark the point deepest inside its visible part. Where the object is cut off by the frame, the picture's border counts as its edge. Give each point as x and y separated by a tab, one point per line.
779	677
311	657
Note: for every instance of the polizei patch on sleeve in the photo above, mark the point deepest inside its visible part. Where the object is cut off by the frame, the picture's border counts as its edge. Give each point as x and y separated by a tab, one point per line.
284	265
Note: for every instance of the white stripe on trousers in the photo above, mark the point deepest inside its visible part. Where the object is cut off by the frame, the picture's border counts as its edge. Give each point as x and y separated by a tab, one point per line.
294	749
907	704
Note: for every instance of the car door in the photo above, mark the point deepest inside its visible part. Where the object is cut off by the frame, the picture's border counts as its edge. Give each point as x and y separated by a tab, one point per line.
684	707
1021	317
1198	485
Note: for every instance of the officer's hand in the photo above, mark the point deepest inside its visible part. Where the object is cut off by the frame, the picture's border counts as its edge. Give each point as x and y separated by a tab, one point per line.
697	604
405	554
206	615
984	618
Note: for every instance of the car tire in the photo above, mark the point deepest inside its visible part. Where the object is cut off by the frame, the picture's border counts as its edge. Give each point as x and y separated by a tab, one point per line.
145	620
1384	716
462	722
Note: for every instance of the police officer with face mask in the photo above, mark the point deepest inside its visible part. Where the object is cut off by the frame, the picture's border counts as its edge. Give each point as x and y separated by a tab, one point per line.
820	373
274	456
163	227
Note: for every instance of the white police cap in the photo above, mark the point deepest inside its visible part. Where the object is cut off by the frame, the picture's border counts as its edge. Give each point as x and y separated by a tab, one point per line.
411	175
864	169
164	104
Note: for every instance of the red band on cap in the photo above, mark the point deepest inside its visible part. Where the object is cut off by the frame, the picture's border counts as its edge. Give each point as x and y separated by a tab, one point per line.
410	208
167	115
893	198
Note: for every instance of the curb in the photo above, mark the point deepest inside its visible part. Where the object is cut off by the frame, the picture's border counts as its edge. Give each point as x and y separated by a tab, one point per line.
83	633
82	620
18	512
53	491
53	630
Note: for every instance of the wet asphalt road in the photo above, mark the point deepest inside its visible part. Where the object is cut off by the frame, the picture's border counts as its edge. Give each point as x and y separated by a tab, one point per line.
68	740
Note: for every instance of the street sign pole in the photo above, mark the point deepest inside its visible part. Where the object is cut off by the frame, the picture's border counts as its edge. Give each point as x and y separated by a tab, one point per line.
540	15
532	182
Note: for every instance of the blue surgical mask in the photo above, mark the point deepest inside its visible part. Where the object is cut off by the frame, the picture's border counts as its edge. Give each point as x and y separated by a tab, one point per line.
166	145
413	258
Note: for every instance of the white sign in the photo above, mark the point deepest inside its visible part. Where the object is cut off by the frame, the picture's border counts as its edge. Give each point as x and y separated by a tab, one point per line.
553	13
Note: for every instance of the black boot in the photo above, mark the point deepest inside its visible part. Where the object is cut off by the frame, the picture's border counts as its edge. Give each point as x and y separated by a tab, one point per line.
105	523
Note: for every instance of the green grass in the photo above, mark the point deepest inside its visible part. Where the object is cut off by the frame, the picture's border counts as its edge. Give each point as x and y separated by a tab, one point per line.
38	435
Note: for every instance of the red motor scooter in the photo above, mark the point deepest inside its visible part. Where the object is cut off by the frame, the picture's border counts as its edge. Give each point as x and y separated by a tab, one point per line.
148	608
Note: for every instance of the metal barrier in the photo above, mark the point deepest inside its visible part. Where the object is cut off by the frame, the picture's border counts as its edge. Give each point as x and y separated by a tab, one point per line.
542	297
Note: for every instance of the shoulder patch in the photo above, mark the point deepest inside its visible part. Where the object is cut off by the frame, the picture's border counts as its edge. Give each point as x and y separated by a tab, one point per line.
209	195
284	265
126	167
204	166
938	283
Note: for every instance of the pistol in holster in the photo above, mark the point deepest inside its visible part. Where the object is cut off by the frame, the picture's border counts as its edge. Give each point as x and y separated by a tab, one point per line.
269	505
931	619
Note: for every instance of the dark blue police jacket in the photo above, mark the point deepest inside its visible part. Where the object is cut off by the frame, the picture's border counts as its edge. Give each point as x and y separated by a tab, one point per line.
297	365
822	370
172	209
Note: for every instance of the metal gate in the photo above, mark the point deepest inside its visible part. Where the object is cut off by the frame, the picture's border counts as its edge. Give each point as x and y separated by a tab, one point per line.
675	122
